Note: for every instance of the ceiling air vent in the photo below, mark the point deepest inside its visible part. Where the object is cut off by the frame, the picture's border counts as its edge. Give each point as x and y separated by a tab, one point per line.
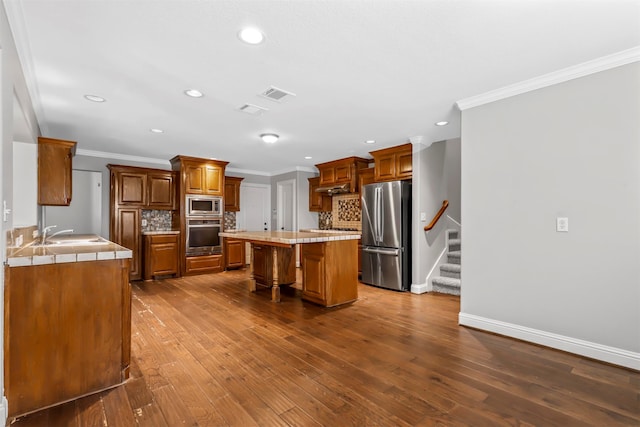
252	109
277	95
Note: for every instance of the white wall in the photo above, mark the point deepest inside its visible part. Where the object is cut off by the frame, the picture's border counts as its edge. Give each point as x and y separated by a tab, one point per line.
25	184
569	150
304	218
436	177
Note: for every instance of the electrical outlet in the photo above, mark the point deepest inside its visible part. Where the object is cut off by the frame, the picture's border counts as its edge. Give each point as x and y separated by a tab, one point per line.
562	224
144	222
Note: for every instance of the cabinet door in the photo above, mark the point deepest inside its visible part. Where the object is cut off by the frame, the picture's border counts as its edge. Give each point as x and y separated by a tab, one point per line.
128	235
162	190
234	250
213	180
318	202
161	255
385	167
343	173
261	261
54	171
313	272
327	176
232	194
194	179
132	188
404	165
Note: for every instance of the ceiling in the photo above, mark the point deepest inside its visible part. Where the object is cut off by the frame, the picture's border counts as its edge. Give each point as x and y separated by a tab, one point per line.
385	70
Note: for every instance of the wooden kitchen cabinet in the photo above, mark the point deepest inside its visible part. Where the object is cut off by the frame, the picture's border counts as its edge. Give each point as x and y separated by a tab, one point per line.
329	273
365	176
67	331
132	190
394	163
318	202
343	171
54	171
201	176
162	190
232	193
203	264
234	253
161	255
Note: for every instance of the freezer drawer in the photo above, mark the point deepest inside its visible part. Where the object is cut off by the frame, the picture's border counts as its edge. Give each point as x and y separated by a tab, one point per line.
382	267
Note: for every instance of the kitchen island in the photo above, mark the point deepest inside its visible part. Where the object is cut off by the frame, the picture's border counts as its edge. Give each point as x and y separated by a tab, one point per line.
329	263
67	330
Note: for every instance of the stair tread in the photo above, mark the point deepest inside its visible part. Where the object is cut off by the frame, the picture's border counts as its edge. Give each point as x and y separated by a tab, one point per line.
454	253
456	268
448	281
455	241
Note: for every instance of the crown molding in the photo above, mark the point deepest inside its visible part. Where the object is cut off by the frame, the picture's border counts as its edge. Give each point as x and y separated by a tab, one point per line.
116	156
20	36
590	67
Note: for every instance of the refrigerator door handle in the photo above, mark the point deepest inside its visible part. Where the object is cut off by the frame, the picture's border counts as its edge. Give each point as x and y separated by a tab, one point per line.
394	252
379	223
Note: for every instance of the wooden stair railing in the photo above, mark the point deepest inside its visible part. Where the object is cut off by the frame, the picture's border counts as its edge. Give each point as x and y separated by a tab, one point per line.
445	205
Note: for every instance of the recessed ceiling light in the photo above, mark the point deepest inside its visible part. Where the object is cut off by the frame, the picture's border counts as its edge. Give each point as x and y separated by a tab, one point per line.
251	35
442	123
154	130
95	98
269	138
194	93
308	157
370	141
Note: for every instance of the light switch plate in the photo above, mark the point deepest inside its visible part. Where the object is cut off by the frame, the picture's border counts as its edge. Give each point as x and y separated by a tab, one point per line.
562	224
423	216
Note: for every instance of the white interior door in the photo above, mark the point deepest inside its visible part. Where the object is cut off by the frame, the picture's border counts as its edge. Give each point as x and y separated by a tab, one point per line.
83	215
255	207
287	205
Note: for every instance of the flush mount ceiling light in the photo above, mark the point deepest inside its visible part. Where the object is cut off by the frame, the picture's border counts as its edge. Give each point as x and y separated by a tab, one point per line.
194	93
154	130
370	141
94	98
442	123
308	157
269	138
251	35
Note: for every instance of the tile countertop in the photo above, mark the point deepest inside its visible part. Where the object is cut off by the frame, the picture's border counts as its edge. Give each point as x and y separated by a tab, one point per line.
292	237
150	233
57	254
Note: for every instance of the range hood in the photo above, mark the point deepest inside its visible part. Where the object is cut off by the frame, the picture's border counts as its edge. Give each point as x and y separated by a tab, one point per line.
334	189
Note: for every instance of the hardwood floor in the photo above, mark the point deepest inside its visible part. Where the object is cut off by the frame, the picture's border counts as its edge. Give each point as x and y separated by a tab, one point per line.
207	352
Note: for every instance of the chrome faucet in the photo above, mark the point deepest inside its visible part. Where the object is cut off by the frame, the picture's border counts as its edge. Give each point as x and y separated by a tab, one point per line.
44	237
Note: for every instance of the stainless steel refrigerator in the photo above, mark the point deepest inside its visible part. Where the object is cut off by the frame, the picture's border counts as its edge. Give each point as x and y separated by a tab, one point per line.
386	234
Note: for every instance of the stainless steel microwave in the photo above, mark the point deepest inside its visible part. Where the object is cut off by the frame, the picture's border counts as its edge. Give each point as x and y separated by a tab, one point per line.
204	205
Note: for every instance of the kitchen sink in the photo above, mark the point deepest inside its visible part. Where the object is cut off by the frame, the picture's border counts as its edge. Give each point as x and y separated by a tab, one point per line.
75	240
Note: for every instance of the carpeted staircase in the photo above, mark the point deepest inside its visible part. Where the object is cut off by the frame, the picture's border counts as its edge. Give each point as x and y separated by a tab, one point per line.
449	280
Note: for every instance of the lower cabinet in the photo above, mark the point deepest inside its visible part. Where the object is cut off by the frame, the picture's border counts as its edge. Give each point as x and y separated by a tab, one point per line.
67	331
234	252
161	255
125	226
203	264
329	272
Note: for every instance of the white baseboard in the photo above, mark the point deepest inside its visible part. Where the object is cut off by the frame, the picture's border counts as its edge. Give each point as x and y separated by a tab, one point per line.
4	410
589	349
420	288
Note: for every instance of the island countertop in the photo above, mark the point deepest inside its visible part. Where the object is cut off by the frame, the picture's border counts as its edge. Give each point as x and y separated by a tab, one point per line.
291	237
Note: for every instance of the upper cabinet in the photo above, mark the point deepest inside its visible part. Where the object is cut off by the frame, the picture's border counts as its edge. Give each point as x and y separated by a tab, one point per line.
54	171
143	188
232	193
201	176
394	163
318	202
343	171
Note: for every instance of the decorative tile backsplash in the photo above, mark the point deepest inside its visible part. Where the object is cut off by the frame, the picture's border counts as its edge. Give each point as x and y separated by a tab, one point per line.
157	220
325	220
346	212
230	221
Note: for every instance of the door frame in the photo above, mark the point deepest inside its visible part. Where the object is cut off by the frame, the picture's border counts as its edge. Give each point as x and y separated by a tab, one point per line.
280	200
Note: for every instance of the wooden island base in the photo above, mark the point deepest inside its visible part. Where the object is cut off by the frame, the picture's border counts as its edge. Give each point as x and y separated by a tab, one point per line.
329	264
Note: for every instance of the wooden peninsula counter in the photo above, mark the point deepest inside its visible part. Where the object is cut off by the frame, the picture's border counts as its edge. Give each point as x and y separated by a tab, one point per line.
329	263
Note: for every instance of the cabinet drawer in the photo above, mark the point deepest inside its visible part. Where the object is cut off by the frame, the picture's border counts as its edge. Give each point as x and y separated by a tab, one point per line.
163	238
204	264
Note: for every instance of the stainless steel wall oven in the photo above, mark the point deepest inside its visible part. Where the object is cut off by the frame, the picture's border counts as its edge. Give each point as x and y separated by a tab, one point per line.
203	236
